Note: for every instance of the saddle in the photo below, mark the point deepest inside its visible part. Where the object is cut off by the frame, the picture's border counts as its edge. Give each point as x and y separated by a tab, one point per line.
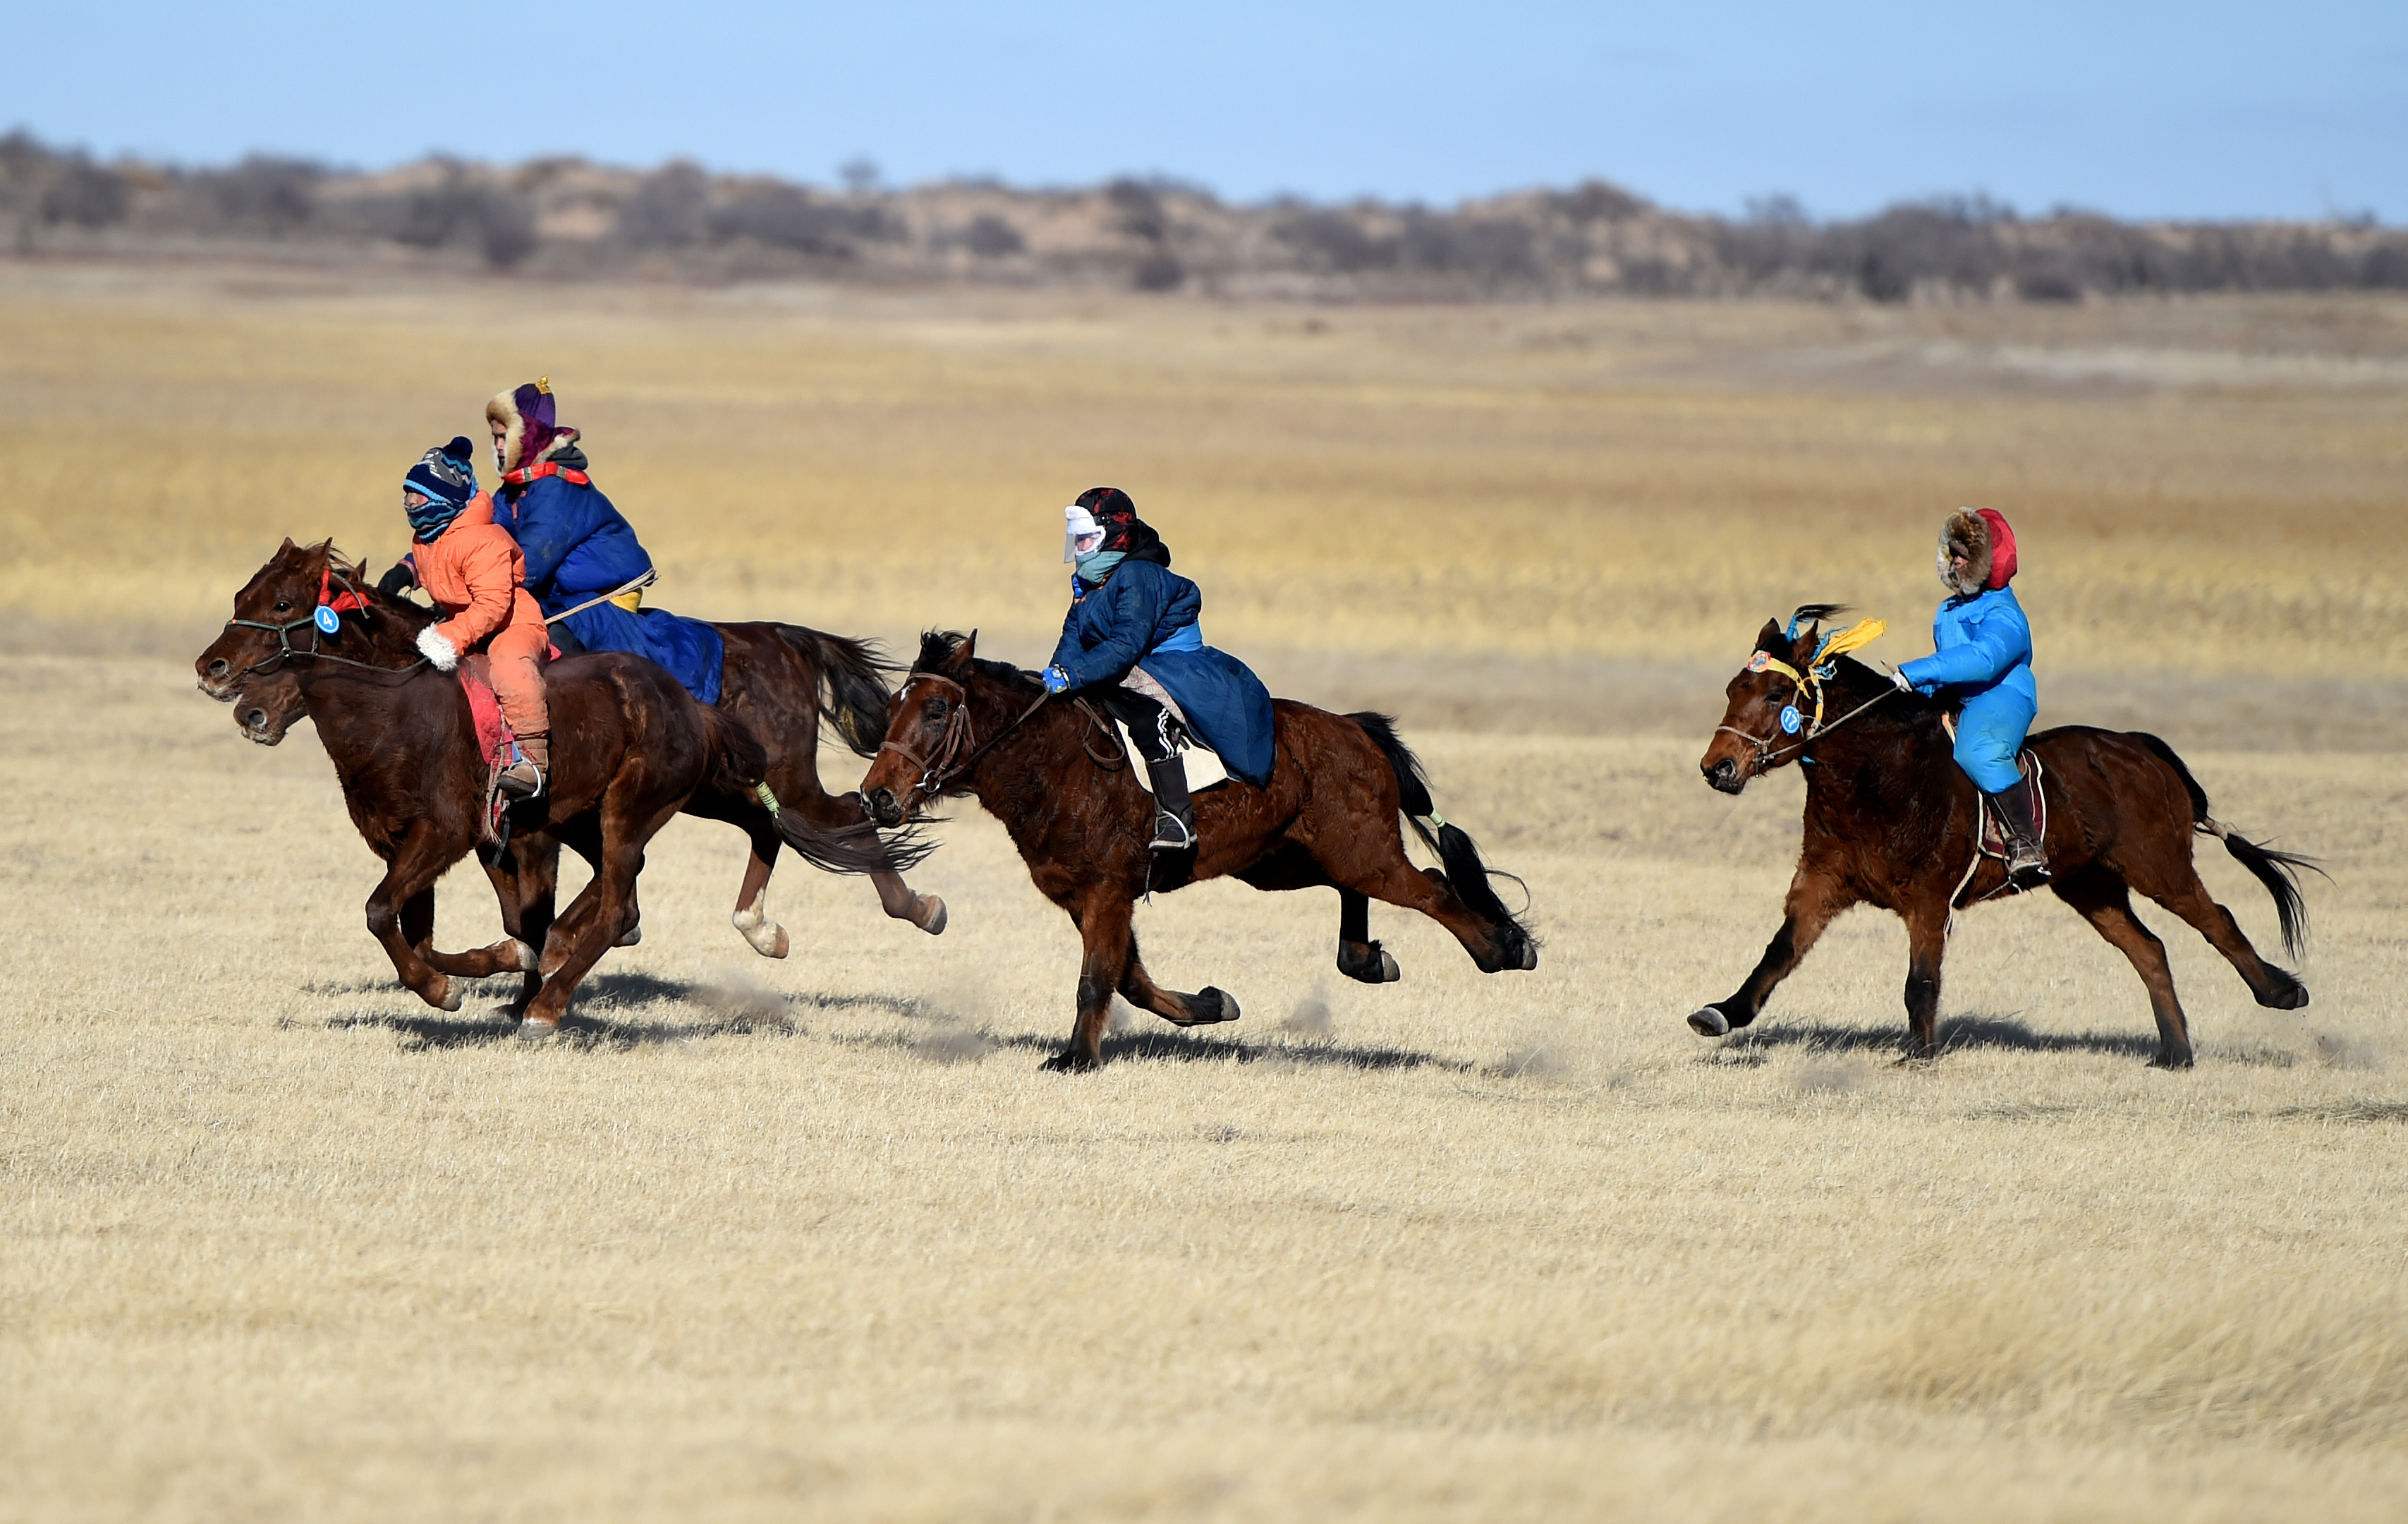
1203	764
495	744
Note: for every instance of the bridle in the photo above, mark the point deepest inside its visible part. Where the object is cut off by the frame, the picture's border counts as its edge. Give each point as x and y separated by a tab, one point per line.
958	749
321	620
1819	668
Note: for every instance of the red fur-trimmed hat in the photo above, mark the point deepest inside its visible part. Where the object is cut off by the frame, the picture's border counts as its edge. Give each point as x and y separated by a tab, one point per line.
1984	537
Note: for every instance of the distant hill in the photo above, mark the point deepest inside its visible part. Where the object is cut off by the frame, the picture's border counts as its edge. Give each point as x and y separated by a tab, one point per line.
566	219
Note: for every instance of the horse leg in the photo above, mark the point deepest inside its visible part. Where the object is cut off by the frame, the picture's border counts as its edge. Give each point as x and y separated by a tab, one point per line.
751	916
602	908
894	896
1358	956
417	861
1104	927
1394	879
507	955
525	879
1814	899
2106	902
2278	988
1201	1009
1926	946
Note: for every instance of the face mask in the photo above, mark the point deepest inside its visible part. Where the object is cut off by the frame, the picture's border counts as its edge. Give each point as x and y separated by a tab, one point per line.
1097	565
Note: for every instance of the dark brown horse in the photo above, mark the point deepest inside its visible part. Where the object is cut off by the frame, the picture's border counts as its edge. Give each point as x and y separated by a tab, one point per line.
1890	821
784	682
1055	775
631	749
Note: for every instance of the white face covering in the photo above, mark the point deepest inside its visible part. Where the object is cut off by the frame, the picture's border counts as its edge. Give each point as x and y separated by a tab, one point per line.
1081	534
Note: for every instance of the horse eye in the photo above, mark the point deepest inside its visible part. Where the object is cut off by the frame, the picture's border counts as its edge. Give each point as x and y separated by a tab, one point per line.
936	708
282	604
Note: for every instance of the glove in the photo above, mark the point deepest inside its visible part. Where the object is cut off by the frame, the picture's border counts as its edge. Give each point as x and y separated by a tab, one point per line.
400	580
435	648
1056	680
1899	677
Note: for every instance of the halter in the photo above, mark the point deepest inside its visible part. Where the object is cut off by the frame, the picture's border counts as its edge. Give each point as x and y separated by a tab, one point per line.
332	608
946	762
1820	667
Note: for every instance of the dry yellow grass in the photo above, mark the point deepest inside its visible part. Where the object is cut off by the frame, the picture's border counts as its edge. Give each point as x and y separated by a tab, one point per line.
815	1238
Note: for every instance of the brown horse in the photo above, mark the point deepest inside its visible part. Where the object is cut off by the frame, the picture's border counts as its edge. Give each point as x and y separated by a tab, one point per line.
1890	821
784	682
631	749
1055	774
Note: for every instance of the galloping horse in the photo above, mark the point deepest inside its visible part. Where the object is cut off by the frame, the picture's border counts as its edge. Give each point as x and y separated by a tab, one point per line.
784	682
1055	774
1891	821
631	750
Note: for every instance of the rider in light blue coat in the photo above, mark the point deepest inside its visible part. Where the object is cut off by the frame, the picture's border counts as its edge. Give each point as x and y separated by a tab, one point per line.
1983	658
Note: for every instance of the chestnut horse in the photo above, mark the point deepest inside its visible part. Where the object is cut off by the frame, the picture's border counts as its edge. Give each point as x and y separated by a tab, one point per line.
631	749
784	682
1055	774
1890	821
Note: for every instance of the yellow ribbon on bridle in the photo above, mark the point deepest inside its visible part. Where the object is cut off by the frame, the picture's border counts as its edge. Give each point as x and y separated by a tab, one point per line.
1863	633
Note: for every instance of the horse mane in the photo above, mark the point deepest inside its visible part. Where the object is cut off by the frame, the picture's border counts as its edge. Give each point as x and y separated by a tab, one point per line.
939	649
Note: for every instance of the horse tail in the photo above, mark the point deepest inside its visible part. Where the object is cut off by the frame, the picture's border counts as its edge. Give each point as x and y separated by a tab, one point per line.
739	767
737	762
2277	870
1457	852
853	685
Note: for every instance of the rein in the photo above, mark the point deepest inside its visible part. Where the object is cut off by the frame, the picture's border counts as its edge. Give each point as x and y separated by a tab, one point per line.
333	608
945	762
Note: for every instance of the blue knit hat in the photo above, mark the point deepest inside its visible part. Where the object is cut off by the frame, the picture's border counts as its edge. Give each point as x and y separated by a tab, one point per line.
445	476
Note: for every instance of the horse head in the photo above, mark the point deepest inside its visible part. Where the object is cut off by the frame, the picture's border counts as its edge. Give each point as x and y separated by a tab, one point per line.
1767	708
256	661
928	729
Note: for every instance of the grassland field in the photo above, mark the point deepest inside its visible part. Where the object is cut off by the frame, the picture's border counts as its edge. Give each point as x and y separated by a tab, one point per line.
814	1238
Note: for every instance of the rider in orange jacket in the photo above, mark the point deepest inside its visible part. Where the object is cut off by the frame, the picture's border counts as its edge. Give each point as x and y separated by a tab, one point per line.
475	573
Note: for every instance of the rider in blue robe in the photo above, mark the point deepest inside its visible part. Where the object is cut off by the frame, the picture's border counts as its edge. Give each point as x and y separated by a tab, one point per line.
582	553
1132	625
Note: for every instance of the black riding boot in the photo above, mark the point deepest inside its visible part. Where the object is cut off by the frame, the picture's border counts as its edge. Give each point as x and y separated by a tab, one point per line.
2026	864
1174	812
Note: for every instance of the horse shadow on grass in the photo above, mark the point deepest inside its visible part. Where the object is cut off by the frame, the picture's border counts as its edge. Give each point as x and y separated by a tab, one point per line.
1961	1034
611	1013
1181	1047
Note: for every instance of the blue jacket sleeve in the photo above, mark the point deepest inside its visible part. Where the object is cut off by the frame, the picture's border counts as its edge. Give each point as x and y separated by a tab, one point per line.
1126	622
1995	646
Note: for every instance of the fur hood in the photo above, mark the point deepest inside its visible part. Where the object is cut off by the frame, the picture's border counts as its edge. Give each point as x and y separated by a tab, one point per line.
525	414
1982	537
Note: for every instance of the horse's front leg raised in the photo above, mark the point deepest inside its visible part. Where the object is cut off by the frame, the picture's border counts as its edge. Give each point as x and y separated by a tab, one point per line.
507	955
417	861
1104	924
1201	1009
1814	899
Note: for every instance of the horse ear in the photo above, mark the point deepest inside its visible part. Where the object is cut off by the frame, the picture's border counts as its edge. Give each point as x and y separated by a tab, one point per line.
286	546
1808	639
963	652
1769	638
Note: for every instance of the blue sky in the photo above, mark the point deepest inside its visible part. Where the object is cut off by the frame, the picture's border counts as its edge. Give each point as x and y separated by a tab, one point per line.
2206	110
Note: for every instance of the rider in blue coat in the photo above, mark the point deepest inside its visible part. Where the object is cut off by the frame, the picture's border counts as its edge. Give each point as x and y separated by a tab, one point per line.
1983	658
1132	628
579	550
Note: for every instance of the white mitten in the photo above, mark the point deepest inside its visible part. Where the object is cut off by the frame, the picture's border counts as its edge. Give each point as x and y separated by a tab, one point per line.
1903	685
442	652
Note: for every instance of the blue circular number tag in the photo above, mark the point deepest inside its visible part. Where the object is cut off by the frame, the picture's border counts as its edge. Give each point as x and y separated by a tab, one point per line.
328	619
1790	720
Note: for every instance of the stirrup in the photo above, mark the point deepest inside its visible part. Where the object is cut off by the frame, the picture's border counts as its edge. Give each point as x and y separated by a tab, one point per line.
1170	833
2028	872
518	785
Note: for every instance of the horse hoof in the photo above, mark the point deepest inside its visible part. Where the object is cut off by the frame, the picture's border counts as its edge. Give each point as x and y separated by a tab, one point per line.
1709	1022
526	955
445	995
1390	972
928	914
1228	1003
768	939
633	935
2288	994
535	1029
1529	955
1070	1062
2172	1060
